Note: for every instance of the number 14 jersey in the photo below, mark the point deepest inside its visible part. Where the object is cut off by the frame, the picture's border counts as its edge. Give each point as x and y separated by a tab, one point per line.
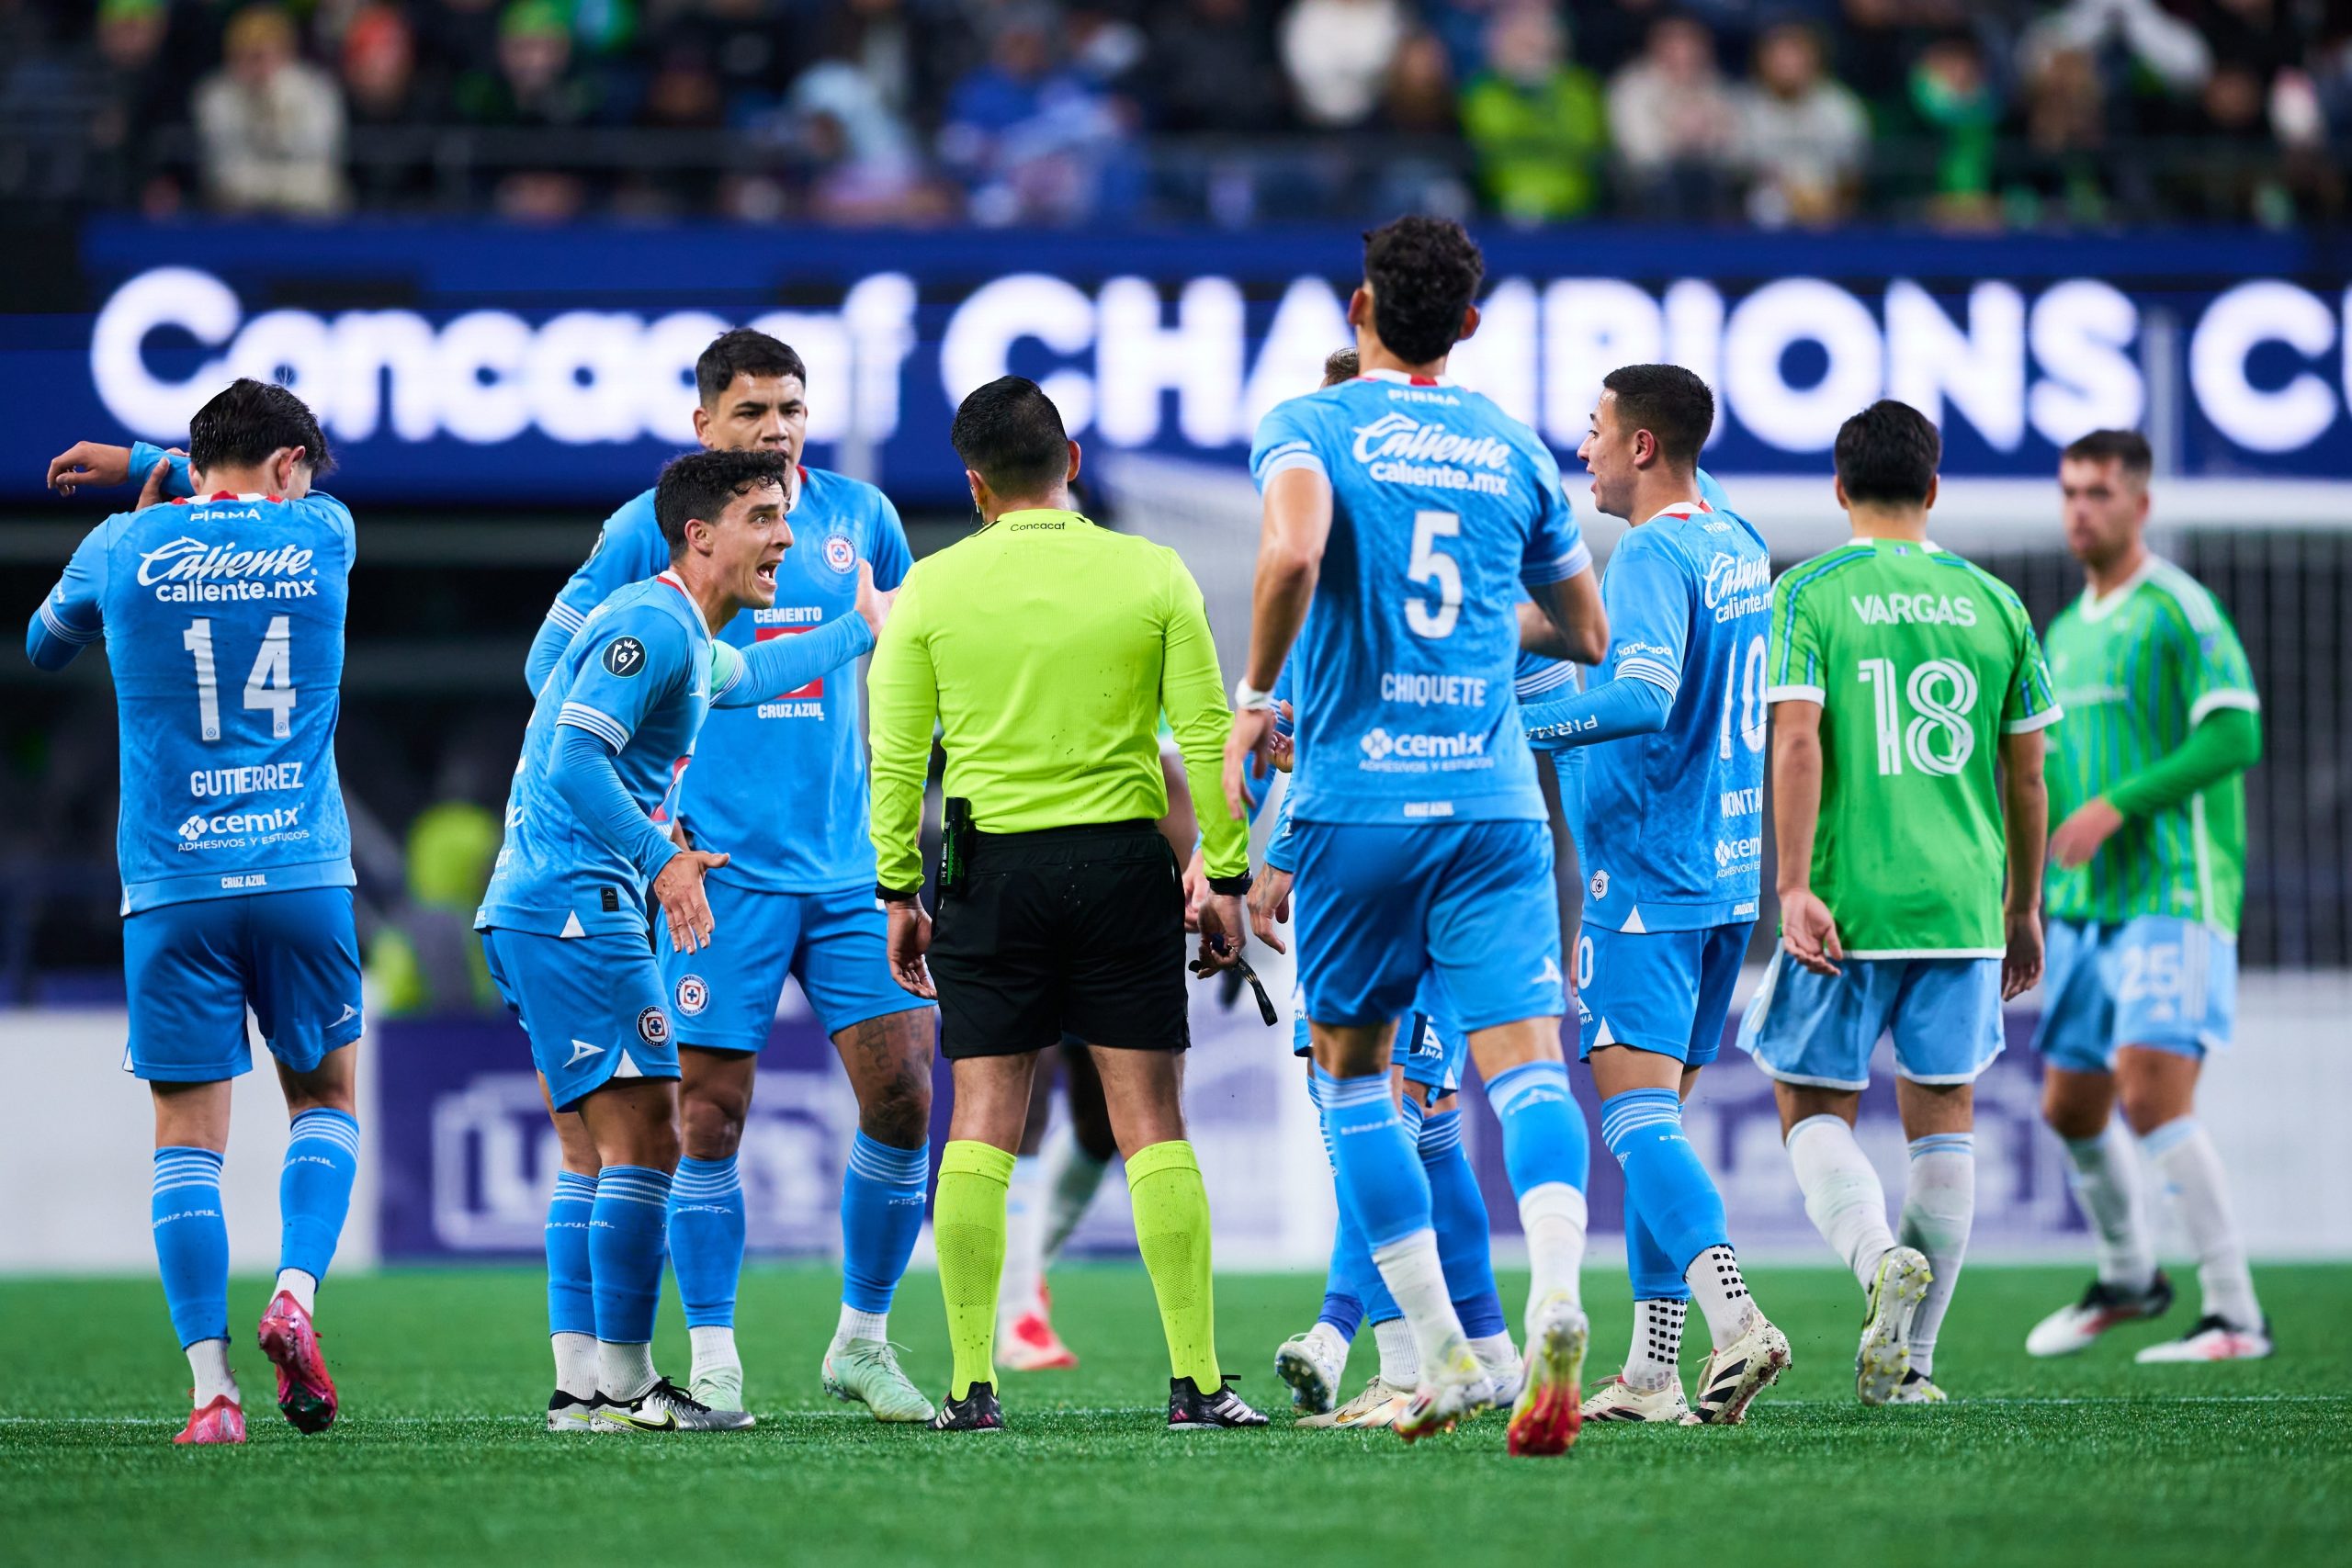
1920	661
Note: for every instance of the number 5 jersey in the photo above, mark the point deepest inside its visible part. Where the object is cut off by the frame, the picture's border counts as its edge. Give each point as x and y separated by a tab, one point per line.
223	625
1920	661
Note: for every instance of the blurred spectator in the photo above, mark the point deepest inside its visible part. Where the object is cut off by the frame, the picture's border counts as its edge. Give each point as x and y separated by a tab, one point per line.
1337	55
1033	140
1536	121
863	161
1802	135
1213	68
424	959
2065	127
1672	122
382	92
1875	43
1420	97
270	123
2149	58
1952	102
747	48
531	80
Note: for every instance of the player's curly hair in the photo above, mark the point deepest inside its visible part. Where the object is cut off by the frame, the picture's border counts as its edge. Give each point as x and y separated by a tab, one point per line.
1424	274
700	484
247	421
1888	453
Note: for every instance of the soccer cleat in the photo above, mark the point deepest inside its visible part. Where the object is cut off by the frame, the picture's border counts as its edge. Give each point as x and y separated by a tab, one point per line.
1311	1364
1504	1377
1378	1406
866	1371
1731	1377
977	1411
1618	1400
2212	1339
1456	1392
720	1386
305	1392
222	1421
568	1413
2072	1328
1028	1344
665	1407
1884	1355
1190	1410
1551	1405
1918	1388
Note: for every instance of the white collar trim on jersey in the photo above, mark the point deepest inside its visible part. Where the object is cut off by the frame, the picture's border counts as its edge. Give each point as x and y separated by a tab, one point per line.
1404	380
1874	541
2098	606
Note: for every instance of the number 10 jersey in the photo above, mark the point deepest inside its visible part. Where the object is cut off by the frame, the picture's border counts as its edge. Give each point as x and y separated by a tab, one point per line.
223	625
1920	661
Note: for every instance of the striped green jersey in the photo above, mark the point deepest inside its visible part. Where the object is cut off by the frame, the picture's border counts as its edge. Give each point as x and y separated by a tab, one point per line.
1920	661
2137	668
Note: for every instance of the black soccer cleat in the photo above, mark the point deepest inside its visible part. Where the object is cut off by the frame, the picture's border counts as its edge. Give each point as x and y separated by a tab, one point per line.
975	1412
1190	1410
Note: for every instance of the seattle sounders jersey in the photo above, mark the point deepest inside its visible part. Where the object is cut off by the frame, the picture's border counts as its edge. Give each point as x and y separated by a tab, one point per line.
781	786
2137	671
223	626
637	678
1674	821
1442	505
1920	661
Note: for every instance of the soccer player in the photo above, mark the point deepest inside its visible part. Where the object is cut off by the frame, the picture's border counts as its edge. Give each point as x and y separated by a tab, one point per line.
1899	674
2147	867
1673	846
234	850
782	784
563	922
1406	510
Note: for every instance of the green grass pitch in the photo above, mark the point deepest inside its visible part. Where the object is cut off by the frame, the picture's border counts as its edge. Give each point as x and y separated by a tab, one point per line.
438	1457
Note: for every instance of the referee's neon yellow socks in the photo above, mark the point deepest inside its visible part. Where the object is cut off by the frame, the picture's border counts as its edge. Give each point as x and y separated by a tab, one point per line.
1171	1209
968	1228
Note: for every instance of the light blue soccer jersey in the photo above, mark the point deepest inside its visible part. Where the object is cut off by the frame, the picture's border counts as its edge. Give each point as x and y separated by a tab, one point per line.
1673	820
780	786
636	677
223	625
1443	506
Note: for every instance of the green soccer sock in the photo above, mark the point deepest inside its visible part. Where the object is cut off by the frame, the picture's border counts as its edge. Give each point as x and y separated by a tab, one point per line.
1172	1211
968	1228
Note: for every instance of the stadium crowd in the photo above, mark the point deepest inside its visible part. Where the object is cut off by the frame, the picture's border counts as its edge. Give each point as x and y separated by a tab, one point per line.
999	112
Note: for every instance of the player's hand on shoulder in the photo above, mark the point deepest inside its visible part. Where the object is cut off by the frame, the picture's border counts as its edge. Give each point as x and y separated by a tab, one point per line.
677	887
2022	956
1810	932
910	942
872	605
1270	906
89	463
158	488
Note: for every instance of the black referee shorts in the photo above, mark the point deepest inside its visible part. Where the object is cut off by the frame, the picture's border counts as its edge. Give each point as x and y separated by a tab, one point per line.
1067	930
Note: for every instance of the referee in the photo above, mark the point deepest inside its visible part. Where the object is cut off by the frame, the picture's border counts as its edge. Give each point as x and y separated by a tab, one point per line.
1046	649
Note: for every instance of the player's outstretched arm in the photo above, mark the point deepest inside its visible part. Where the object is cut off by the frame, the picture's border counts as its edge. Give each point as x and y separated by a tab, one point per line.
1808	929
1610	711
768	669
2024	814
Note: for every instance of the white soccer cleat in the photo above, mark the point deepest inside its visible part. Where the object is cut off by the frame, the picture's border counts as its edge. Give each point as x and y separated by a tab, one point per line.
2214	1338
1916	1388
720	1386
1312	1364
1551	1403
568	1413
1884	1355
1731	1377
1378	1406
1505	1374
1618	1400
2074	1329
1452	1391
665	1407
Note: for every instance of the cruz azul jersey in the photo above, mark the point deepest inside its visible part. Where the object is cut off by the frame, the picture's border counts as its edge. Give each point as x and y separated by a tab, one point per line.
1921	662
637	677
1441	507
2136	672
223	626
781	786
1674	821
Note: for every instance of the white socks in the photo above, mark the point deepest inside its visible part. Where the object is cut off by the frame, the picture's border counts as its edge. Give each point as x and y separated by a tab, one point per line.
2183	1153
1410	1269
714	1349
1400	1360
623	1372
1023	1239
575	1364
301	1286
1655	1361
2105	1174
1072	1177
1553	1215
1939	1205
1715	1284
1842	1195
853	1324
207	1362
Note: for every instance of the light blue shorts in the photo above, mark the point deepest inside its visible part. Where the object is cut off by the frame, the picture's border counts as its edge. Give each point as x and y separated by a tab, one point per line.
192	970
591	1006
834	942
1819	1029
1663	991
2157	981
1430	1047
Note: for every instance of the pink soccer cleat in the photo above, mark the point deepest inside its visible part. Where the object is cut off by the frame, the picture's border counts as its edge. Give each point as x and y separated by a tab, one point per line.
305	1392
222	1421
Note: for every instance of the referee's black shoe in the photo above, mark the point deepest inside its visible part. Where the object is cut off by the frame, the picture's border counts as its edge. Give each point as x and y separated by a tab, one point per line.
975	1412
1190	1410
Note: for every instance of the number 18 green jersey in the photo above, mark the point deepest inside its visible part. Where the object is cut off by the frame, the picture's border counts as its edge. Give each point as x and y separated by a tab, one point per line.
1920	661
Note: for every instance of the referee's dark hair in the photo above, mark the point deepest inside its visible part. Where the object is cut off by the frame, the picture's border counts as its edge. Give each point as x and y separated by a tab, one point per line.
1671	402
700	484
1011	435
1424	274
248	419
745	351
1888	454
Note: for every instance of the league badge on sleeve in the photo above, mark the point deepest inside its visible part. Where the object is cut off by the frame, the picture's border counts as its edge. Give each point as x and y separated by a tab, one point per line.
624	656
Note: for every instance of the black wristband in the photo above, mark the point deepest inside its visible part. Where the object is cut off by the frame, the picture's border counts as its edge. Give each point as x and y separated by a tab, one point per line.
1230	887
900	894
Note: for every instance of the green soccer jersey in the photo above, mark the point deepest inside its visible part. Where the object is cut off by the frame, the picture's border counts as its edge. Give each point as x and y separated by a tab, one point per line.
1920	661
2137	670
